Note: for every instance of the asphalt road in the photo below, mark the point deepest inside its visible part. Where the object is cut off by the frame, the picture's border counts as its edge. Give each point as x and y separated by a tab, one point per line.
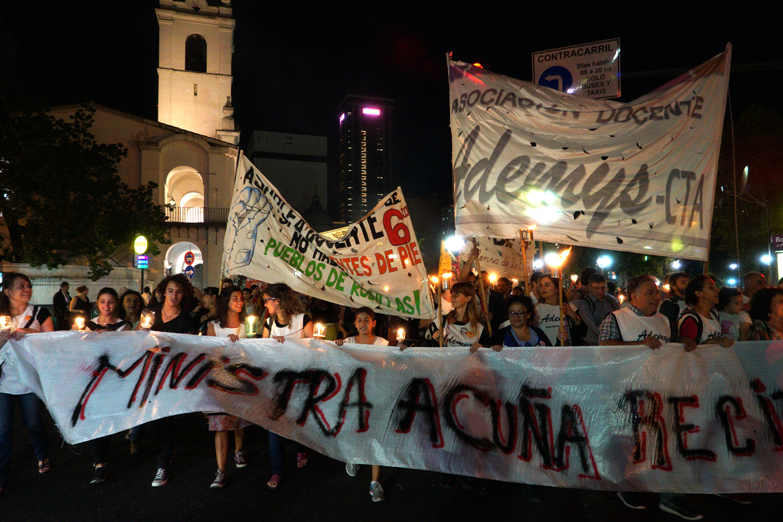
320	492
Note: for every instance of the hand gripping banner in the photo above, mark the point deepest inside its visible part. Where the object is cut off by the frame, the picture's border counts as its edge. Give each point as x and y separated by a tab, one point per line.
376	264
636	176
609	418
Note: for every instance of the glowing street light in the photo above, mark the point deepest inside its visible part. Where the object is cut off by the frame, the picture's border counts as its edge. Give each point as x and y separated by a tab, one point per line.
676	264
766	259
454	244
604	262
538	264
733	266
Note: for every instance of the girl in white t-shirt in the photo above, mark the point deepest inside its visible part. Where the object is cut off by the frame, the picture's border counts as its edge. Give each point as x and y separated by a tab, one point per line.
462	325
231	311
365	325
734	322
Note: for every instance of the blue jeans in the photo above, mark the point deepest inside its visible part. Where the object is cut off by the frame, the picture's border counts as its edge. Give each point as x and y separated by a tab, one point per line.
276	454
30	406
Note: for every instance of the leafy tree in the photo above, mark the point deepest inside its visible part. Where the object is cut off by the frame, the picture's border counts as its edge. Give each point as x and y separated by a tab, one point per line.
61	199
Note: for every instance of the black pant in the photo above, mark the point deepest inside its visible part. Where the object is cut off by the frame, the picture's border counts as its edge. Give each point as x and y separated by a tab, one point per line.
100	449
164	429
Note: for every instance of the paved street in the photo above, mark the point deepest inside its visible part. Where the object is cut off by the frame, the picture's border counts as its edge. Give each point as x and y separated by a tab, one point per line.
322	491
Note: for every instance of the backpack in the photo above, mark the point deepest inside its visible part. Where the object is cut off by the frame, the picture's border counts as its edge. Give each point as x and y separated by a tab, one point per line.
699	322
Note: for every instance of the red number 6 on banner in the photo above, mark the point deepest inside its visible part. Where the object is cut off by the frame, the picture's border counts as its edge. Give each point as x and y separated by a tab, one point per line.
399	233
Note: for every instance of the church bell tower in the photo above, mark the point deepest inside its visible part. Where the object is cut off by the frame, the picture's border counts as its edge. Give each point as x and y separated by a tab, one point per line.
194	67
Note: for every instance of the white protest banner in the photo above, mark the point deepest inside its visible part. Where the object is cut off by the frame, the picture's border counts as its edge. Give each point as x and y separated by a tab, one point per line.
376	264
636	176
610	418
502	257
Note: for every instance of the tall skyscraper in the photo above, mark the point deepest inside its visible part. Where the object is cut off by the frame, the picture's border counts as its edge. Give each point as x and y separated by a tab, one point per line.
365	154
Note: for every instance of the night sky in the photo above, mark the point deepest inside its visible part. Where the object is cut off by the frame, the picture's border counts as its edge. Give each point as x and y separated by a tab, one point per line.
293	65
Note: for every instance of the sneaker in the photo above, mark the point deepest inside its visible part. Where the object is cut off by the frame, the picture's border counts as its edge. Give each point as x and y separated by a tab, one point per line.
220	479
239	459
161	478
100	475
677	506
377	492
352	469
631	499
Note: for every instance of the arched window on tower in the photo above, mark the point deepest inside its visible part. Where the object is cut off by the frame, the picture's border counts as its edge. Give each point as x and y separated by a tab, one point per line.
196	53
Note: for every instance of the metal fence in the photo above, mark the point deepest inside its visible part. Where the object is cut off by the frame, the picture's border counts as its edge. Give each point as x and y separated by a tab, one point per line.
207	215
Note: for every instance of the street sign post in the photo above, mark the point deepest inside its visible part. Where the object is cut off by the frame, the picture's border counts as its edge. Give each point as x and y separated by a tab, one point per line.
141	261
591	70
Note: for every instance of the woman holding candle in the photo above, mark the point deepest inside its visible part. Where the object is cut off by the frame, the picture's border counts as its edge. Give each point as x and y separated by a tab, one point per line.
287	318
365	323
107	321
231	310
550	309
130	309
25	319
171	317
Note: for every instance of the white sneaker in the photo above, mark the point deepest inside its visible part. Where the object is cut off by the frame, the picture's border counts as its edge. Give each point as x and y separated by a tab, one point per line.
220	479
161	478
377	492
352	469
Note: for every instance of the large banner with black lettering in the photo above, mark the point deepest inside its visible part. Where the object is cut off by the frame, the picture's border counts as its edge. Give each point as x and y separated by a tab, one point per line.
612	418
637	176
376	264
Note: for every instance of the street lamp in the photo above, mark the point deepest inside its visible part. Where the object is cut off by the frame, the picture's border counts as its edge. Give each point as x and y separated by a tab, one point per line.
454	244
603	262
676	264
733	266
766	259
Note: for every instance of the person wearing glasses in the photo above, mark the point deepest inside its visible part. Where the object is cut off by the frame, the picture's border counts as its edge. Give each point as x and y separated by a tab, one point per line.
520	330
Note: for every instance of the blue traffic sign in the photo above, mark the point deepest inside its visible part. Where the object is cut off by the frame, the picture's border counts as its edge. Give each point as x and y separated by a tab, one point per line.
556	77
190	271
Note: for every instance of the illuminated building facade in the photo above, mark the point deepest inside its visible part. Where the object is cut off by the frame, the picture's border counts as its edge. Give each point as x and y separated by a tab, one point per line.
365	157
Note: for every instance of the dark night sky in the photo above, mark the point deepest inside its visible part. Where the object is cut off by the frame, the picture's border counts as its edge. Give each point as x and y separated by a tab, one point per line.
293	65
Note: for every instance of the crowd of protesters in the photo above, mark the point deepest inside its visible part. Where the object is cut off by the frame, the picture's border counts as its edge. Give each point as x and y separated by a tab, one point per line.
591	311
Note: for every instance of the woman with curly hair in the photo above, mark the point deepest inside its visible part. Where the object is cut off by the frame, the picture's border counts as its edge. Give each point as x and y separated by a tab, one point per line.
287	318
